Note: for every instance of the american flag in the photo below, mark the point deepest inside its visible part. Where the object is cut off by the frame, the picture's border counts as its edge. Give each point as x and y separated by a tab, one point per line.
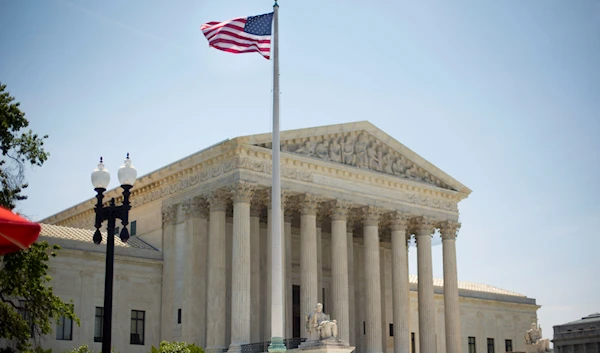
241	35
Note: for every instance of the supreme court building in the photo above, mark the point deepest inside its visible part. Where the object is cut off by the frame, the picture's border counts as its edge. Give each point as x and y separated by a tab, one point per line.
197	267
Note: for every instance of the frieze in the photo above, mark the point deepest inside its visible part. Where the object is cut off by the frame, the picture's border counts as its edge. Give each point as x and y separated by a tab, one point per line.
200	174
361	151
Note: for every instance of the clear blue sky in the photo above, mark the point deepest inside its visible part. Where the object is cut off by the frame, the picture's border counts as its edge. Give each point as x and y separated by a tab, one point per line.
502	95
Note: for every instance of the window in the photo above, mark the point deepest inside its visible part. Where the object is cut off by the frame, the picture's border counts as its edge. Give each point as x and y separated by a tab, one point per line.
364	328
99	324
117	229
472	348
64	328
508	345
490	345
391	330
178	316
413	348
133	228
138	320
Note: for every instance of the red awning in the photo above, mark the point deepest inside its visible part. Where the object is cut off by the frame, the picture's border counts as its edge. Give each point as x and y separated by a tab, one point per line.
16	232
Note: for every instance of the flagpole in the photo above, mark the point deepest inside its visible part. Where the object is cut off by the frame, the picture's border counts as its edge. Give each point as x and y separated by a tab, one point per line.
277	334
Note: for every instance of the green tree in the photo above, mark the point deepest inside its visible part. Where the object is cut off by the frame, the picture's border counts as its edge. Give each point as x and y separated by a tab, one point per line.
27	302
19	148
176	347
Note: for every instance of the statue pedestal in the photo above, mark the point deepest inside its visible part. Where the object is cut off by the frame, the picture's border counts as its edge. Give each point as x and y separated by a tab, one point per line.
331	345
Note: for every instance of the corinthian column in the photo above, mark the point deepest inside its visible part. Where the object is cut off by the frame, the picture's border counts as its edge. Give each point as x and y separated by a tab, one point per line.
339	268
309	295
194	271
240	278
451	307
400	284
372	280
351	278
255	273
427	343
169	218
288	274
217	273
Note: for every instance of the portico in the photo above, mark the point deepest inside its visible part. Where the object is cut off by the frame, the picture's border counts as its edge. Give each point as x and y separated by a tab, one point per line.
352	197
355	180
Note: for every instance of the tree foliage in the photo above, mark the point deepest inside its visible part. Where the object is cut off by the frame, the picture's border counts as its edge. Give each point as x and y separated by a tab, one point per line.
27	302
176	347
19	148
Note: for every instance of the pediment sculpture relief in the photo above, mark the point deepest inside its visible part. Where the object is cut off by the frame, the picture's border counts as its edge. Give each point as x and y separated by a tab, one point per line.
362	151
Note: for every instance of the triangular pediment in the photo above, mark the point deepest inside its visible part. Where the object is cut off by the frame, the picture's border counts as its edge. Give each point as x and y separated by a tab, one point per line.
361	145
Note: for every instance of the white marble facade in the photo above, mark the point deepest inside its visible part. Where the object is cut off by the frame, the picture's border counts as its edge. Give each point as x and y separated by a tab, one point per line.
352	198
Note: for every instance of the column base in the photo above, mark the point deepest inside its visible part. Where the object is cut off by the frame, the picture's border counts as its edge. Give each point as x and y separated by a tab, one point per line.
235	348
276	345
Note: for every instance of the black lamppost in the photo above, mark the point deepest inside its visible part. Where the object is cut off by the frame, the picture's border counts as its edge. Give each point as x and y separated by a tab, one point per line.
100	179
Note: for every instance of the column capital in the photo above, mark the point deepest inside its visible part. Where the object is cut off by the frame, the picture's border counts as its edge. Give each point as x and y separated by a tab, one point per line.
309	204
218	199
449	229
399	221
424	225
285	196
340	209
371	215
259	202
169	215
242	191
196	207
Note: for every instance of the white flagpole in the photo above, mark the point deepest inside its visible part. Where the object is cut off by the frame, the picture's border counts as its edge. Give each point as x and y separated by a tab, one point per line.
277	333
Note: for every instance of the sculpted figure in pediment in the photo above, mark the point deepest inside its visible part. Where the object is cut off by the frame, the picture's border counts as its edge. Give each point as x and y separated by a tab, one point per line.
348	151
373	157
386	163
360	147
412	172
335	150
322	151
399	167
306	149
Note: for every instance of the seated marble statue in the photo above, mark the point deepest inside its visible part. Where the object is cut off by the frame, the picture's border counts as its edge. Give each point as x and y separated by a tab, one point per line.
319	326
534	340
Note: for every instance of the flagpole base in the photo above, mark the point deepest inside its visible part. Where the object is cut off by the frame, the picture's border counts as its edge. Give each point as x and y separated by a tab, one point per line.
276	345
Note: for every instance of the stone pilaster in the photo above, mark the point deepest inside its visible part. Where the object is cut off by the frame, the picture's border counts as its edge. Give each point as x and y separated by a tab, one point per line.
351	279
400	283
448	232
169	218
217	273
255	274
194	271
309	295
427	333
372	280
242	193
339	268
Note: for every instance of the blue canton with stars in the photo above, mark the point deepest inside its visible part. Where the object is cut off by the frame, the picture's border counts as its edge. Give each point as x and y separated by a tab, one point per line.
259	25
